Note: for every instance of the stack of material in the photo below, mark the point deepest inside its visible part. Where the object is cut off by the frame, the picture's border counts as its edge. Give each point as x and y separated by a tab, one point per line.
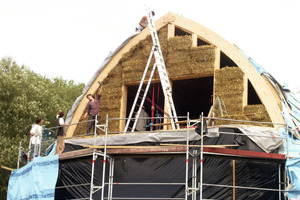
229	85
185	60
257	113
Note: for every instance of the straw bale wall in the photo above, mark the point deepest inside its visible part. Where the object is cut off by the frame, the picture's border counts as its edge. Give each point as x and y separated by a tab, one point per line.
257	113
181	60
229	85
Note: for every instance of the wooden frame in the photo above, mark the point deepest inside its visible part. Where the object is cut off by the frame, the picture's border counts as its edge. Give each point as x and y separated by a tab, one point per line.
267	97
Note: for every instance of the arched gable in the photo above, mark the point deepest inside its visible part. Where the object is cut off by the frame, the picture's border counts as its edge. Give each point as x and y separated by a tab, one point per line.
197	31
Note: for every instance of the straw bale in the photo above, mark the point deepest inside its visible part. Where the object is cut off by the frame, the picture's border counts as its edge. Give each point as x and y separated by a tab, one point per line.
233	117
180	43
201	68
178	57
229	85
203	53
258	113
163	38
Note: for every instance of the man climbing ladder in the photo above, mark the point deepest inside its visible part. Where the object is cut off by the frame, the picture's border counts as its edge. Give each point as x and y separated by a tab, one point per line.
163	75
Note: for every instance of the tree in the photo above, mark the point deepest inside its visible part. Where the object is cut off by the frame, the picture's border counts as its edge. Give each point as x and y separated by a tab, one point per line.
25	95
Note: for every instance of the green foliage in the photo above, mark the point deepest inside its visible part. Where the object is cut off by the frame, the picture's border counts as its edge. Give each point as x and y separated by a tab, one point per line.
25	95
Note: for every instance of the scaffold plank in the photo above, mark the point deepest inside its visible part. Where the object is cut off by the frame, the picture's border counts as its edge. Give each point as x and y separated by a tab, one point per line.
75	154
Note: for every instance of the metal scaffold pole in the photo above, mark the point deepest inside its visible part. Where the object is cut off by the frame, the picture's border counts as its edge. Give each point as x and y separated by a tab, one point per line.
194	175
104	158
187	160
111	177
201	157
95	156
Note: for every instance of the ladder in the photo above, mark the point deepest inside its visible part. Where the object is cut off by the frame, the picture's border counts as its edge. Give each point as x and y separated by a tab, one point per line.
221	109
164	79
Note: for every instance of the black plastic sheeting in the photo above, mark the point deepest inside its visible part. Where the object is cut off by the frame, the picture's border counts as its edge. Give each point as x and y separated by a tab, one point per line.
170	169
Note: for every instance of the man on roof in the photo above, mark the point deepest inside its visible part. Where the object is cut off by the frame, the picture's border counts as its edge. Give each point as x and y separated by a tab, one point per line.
92	109
143	23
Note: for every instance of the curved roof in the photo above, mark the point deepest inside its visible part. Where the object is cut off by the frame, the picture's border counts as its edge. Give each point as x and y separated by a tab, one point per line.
263	90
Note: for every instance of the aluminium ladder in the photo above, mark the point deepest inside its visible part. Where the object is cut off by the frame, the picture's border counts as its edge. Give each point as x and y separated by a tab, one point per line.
164	79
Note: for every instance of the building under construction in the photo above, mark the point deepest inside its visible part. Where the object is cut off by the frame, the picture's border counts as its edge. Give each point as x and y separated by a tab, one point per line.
233	136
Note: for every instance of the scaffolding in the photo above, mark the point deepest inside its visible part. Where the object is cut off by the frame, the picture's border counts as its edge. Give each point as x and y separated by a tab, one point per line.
190	190
194	159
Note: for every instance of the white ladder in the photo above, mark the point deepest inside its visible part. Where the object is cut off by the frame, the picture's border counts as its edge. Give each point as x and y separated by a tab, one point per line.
164	79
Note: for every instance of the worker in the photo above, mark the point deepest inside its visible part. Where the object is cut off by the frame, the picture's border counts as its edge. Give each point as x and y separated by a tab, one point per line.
143	23
92	109
60	133
141	124
36	137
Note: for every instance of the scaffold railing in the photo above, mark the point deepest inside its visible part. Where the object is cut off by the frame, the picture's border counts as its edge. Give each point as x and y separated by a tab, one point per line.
194	158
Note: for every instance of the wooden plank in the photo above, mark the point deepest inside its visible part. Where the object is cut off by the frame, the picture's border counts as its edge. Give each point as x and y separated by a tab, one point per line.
245	91
117	147
7	168
171	31
216	146
273	90
174	145
123	107
75	154
244	153
194	40
115	150
148	150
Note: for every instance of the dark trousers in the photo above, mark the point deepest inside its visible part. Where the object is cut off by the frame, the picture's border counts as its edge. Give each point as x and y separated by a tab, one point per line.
91	124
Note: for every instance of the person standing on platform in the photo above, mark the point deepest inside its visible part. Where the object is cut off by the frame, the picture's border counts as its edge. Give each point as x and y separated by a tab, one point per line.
36	137
60	145
92	109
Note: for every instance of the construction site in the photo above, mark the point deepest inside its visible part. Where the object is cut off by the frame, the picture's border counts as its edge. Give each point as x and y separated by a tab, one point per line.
216	125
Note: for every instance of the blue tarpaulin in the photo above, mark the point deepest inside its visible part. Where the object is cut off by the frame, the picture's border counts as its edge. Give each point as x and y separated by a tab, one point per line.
293	171
35	180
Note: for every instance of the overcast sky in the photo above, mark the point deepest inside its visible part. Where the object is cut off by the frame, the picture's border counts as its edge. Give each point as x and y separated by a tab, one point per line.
71	38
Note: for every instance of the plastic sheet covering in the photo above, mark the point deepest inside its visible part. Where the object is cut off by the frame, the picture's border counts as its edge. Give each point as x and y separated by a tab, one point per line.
267	144
35	180
169	169
254	63
291	145
293	172
266	138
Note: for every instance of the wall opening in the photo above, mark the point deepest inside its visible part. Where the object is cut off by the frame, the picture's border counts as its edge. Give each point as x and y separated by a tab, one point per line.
179	32
201	42
158	100
193	96
225	61
253	98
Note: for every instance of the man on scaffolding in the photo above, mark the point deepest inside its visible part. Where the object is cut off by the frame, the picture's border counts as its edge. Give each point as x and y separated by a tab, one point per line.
92	109
36	137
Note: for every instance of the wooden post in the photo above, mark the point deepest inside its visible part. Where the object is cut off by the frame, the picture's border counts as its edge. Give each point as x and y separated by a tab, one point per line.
171	31
123	107
194	40
245	92
217	64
